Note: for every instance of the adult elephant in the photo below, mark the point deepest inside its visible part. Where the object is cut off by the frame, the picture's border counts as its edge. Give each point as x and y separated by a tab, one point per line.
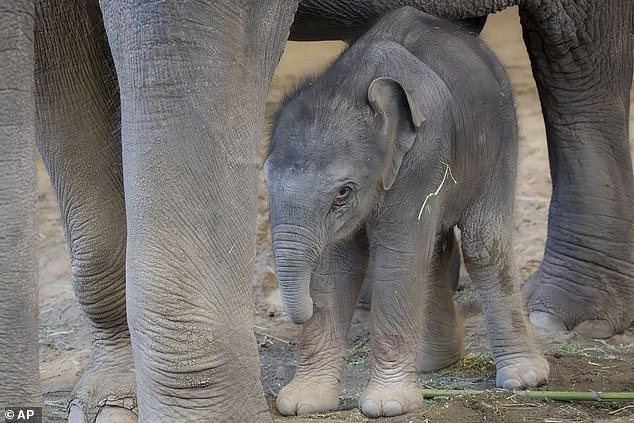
155	172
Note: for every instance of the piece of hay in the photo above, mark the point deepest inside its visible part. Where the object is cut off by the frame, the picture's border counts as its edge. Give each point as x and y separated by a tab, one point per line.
553	395
435	193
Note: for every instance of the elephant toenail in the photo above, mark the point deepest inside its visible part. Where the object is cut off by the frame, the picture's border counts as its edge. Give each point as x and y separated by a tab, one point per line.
546	321
284	407
370	408
511	384
531	378
595	328
75	414
392	408
110	414
305	409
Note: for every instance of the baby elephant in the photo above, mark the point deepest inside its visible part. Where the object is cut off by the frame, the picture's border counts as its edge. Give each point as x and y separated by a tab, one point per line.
412	131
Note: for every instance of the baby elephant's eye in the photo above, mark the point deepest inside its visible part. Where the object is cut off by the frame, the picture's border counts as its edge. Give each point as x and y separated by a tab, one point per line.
342	196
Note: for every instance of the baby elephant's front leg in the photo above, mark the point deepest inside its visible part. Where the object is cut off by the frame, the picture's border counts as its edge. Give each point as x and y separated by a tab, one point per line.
397	325
335	285
488	255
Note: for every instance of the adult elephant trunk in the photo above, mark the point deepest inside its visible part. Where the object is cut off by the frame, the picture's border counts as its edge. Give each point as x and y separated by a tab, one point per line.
296	252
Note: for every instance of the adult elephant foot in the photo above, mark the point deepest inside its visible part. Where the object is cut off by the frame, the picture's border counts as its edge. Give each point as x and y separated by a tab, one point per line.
585	299
106	391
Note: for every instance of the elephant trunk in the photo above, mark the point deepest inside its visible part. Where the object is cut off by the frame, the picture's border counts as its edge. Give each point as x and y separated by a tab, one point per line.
296	254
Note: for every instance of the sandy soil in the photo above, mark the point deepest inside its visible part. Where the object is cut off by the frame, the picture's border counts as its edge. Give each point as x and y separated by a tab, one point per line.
576	364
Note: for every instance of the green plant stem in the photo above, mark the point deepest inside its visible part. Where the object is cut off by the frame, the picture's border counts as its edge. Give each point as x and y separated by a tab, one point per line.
553	395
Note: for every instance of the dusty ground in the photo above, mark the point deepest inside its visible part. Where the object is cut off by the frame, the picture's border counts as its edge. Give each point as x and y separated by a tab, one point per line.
576	364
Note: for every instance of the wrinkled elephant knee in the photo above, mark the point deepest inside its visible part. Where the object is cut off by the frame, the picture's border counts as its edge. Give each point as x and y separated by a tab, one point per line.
98	274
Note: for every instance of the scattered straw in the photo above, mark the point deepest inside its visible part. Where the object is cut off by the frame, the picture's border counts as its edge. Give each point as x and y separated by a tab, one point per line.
435	193
57	403
267	336
627	407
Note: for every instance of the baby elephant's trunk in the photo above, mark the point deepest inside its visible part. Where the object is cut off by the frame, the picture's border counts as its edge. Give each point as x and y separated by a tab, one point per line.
295	258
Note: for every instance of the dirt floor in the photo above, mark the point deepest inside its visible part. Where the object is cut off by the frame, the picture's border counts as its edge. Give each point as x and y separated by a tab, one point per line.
576	364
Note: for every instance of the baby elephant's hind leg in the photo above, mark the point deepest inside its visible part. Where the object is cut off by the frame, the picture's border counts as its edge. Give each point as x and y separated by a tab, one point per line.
488	255
335	285
443	330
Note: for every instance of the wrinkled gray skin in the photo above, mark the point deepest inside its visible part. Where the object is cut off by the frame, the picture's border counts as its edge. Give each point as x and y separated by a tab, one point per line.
161	272
190	81
19	362
413	95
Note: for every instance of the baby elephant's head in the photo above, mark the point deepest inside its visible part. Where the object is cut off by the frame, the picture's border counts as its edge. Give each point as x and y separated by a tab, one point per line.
332	156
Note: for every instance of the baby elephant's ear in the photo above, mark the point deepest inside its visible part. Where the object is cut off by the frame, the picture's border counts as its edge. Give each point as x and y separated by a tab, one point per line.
400	117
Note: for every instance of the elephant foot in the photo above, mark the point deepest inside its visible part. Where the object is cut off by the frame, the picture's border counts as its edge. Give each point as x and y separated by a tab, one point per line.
594	302
308	395
106	414
387	399
520	372
106	391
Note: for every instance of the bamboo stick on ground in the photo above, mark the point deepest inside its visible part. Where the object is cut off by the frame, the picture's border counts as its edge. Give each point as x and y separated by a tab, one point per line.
553	395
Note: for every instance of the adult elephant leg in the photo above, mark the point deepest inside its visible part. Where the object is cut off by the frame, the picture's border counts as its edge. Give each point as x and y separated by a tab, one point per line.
19	361
334	288
581	54
193	77
79	140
